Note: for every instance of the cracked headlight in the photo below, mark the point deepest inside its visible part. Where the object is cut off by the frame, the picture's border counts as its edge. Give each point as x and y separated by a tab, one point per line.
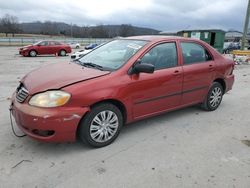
50	99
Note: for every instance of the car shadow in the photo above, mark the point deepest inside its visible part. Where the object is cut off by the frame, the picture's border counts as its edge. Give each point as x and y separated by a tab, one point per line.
164	117
79	147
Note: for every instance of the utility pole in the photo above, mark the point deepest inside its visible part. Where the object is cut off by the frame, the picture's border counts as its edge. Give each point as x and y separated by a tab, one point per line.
245	27
71	30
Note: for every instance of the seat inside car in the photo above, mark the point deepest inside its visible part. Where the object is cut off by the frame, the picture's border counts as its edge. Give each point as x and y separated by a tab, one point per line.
197	55
165	58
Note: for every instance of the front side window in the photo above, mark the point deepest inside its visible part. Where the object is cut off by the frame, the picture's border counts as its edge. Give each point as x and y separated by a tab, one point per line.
194	53
113	54
44	43
161	56
52	43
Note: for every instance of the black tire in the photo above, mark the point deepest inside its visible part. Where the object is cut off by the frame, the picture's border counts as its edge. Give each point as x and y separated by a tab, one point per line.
32	53
77	47
62	53
209	104
84	130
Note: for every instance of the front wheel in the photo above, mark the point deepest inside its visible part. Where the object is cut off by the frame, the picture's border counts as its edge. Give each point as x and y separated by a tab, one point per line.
214	97
101	126
32	53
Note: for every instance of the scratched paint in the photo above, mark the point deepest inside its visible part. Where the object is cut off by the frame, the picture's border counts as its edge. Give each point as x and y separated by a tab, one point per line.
46	116
74	116
35	119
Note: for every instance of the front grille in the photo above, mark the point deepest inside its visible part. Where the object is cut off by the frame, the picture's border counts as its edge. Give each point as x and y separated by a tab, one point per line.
21	94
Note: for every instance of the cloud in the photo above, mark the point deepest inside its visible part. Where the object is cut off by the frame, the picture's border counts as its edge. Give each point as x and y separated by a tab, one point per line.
158	14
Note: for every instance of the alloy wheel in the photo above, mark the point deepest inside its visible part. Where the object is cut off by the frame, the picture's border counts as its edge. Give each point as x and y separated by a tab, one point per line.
32	53
215	97
63	53
104	126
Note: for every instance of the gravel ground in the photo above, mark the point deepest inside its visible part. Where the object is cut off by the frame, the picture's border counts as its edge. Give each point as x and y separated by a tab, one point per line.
184	148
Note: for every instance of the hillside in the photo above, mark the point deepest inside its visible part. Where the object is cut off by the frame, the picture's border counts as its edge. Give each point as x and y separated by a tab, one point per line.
99	31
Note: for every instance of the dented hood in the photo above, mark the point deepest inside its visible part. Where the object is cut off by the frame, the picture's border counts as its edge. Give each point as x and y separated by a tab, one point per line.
56	76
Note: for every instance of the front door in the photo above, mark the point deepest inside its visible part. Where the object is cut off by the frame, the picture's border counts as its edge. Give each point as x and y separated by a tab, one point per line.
43	47
160	91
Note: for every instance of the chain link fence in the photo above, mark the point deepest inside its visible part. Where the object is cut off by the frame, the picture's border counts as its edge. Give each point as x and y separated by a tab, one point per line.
16	41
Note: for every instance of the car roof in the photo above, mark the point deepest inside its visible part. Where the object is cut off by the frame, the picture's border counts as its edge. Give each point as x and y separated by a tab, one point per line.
154	38
159	38
49	41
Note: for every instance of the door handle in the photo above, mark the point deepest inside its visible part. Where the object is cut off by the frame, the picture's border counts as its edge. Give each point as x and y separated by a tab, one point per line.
211	67
176	73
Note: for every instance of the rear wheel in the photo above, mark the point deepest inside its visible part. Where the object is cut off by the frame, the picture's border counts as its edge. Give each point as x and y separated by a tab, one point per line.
62	53
214	97
101	126
32	53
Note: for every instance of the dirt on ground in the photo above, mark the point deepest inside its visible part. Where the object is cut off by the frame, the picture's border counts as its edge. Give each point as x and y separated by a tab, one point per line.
185	148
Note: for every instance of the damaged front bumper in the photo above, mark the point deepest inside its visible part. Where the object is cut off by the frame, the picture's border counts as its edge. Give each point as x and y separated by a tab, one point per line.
57	124
24	52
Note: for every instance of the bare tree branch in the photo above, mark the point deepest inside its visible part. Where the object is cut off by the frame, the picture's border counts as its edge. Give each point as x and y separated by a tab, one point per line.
9	24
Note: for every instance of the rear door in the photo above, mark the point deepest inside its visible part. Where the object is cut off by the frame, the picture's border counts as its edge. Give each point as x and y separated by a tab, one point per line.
54	47
160	91
198	70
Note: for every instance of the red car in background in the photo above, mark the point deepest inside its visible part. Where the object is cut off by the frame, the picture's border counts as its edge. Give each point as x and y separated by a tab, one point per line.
122	81
45	47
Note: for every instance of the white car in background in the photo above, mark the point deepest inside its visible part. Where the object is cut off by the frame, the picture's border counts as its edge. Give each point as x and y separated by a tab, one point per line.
74	45
79	54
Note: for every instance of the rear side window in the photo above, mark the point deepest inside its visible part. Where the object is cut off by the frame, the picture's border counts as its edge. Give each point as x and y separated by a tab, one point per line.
194	53
161	56
52	43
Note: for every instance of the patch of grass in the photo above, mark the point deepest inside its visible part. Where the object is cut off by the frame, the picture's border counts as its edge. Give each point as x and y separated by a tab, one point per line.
247	142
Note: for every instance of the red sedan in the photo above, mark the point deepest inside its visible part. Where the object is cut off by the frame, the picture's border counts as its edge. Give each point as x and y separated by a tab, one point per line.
117	83
45	47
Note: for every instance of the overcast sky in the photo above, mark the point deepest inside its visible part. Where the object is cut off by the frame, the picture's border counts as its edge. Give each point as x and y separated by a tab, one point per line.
164	15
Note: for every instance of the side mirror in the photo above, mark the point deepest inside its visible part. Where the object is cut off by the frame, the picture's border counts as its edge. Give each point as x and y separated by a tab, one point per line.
142	67
39	45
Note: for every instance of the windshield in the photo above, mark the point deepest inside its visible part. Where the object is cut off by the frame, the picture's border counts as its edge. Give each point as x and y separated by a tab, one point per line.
113	54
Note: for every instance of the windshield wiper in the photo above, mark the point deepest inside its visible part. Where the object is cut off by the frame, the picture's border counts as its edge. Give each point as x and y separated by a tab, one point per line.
89	64
76	61
92	65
